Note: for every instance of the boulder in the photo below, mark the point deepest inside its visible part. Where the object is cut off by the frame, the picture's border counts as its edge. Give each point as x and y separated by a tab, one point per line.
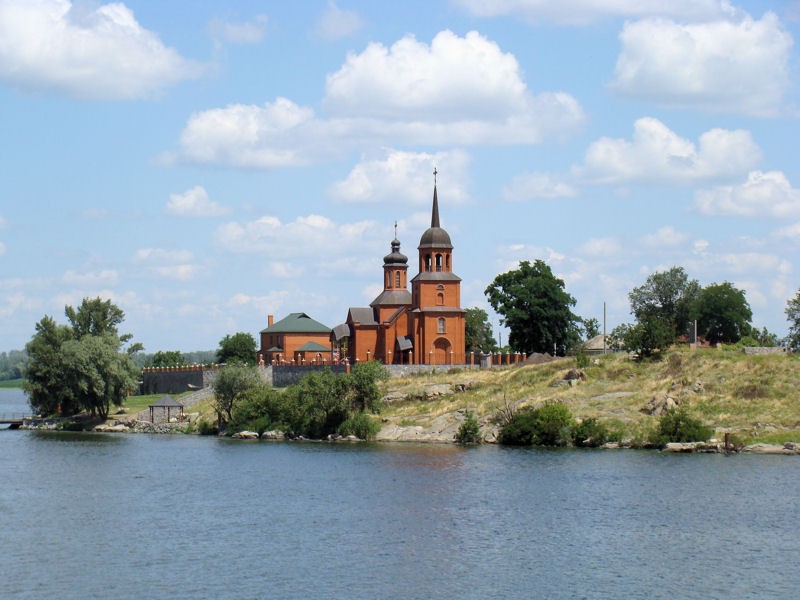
273	435
393	397
659	404
574	375
437	389
245	435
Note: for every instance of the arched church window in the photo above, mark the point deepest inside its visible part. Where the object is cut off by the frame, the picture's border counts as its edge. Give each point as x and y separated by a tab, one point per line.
397	279
427	262
438	262
441	325
447	262
439	299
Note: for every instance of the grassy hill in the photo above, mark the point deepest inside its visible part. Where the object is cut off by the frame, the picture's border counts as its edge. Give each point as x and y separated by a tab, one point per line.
756	398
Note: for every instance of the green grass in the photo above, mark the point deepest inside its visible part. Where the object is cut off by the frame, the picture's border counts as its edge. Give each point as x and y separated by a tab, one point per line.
754	397
135	404
10	384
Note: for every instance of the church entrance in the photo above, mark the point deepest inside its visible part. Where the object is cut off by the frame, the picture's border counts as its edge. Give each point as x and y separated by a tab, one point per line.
441	352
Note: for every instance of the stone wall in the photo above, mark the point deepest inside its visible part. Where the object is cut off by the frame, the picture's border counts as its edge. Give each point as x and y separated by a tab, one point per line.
172	381
403	370
283	376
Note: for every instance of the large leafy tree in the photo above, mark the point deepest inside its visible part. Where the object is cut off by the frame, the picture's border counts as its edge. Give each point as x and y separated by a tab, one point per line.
478	331
535	307
167	358
81	366
231	383
238	348
722	313
793	316
666	296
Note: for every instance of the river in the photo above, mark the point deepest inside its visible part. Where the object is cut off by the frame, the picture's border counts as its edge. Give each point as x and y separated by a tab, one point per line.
141	516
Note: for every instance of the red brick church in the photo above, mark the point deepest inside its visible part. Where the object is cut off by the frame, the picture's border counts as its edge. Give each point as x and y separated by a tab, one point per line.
424	326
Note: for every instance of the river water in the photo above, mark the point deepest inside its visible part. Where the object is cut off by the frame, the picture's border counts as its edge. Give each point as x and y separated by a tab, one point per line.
139	516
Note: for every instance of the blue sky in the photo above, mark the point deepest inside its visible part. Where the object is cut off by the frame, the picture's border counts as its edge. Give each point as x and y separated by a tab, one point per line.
205	164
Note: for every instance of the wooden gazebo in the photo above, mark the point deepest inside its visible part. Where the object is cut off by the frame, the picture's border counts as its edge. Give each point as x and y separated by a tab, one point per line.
167	404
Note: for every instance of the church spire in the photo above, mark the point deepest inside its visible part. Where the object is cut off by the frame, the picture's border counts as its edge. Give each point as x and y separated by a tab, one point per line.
435	210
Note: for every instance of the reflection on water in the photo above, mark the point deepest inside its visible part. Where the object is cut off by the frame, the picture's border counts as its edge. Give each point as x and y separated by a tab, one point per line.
133	516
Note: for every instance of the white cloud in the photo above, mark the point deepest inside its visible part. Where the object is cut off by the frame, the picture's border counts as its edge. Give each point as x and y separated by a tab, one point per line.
314	241
763	194
530	186
580	12
336	23
86	51
194	203
790	231
405	177
739	67
735	264
600	247
183	272
457	91
161	255
248	32
658	155
665	237
95	278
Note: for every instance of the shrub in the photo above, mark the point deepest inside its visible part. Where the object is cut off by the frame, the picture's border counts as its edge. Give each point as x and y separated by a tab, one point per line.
360	425
590	433
469	431
677	425
548	425
206	428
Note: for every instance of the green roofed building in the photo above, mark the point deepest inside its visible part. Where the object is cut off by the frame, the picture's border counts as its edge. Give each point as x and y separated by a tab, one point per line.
296	339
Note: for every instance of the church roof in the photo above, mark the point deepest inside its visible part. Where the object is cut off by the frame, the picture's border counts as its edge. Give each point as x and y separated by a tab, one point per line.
297	323
365	316
435	236
392	298
395	257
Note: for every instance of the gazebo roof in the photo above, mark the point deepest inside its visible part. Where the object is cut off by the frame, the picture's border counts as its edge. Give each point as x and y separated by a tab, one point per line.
166	401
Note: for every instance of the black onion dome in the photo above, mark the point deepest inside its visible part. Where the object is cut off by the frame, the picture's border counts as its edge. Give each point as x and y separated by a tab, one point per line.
396	257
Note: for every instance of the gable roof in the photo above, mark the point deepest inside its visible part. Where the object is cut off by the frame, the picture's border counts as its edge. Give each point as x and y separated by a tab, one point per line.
365	316
313	347
297	323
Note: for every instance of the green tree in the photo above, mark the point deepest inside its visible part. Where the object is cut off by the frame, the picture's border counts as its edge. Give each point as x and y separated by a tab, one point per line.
793	316
96	373
237	348
478	331
666	296
644	338
535	307
44	378
231	383
362	385
167	358
722	313
591	328
80	366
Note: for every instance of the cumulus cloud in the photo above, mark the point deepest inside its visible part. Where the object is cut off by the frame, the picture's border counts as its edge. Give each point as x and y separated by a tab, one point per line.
247	32
93	278
790	231
194	203
763	194
665	237
314	241
532	186
457	90
404	177
336	23
86	51
731	66
581	12
161	255
658	155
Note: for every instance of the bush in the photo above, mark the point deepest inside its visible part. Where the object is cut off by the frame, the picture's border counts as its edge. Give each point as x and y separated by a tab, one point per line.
469	431
548	425
590	433
677	425
206	428
360	425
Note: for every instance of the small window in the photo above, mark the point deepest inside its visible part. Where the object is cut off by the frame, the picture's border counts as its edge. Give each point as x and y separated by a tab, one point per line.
397	279
441	325
440	299
438	263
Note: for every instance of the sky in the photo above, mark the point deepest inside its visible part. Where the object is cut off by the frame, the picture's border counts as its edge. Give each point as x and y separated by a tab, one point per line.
204	164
